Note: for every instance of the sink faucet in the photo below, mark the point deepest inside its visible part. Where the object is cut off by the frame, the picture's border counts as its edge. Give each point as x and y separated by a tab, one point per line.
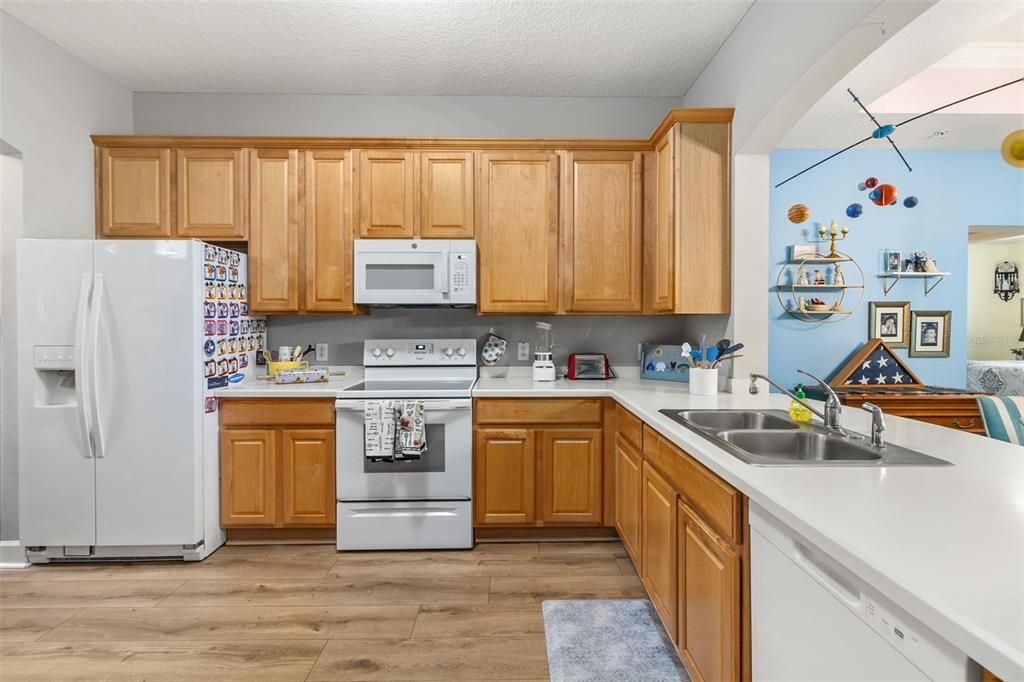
833	414
877	424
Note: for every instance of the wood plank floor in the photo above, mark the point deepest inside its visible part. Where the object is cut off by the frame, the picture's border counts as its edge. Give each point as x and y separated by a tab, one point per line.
302	612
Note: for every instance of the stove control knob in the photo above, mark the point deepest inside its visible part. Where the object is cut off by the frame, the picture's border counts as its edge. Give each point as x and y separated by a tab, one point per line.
375	352
461	351
448	352
390	352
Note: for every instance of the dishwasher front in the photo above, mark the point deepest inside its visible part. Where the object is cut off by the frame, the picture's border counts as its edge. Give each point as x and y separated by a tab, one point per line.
813	620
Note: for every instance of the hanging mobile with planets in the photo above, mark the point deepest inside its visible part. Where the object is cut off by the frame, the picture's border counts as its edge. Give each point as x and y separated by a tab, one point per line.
854	210
798	213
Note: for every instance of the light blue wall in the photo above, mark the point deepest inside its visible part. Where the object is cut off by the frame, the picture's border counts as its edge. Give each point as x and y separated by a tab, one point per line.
956	189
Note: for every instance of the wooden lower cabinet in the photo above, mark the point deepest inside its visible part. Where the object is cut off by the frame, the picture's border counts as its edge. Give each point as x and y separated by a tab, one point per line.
504	490
658	553
708	601
277	463
571	476
628	494
248	477
307	477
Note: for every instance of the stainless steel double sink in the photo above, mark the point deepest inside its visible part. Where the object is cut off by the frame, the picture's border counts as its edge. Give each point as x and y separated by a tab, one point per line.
771	438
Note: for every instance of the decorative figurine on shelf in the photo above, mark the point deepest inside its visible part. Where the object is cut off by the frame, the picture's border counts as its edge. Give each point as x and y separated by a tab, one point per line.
839	279
835	307
833	232
802	303
929	263
802	280
819	278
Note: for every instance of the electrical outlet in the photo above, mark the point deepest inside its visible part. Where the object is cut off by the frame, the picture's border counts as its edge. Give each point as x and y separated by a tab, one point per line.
640	352
523	350
321	352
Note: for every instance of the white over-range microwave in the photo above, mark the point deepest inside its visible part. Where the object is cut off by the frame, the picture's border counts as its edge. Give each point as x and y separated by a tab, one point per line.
415	271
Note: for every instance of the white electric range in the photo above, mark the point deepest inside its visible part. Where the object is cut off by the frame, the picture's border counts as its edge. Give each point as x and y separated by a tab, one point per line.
423	503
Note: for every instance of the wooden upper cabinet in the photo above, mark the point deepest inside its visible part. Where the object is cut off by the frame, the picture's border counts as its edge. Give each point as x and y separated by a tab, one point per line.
307	477
602	232
134	192
658	546
505	471
517	233
387	194
328	231
571	463
708	601
705	264
211	193
248	477
661	238
274	230
628	494
446	202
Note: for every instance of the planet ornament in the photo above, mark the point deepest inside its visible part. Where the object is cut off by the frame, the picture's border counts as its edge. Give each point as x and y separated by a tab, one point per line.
883	195
854	210
871	182
798	213
1013	148
910	202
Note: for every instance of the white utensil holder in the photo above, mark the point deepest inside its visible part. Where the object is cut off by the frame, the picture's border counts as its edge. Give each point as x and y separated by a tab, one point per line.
703	381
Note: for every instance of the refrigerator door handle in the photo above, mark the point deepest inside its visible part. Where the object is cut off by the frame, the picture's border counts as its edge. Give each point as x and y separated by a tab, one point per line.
82	376
94	346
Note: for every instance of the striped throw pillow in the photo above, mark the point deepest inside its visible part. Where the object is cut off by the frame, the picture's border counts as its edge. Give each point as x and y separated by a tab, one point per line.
1002	416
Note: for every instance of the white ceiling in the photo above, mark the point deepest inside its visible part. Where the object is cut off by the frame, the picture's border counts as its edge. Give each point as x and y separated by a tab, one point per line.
385	47
952	50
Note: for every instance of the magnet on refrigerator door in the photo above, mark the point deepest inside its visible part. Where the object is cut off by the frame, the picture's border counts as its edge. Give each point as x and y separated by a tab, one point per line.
234	310
222	367
243	360
209	347
216	382
209	309
211	404
243	308
233	274
233	365
210	327
209	369
222	327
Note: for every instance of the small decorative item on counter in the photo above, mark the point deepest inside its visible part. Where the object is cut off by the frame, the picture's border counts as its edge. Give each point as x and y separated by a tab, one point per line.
301	376
798	412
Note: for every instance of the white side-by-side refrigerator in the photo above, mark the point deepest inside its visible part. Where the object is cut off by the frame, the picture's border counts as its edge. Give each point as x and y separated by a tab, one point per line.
120	345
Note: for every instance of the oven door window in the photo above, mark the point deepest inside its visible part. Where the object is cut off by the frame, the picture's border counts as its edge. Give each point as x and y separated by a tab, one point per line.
430	462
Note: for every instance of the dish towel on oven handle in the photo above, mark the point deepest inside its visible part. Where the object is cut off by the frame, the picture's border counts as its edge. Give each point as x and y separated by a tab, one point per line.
379	429
412	430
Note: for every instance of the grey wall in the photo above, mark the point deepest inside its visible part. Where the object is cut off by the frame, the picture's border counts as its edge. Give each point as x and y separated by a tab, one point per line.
49	105
615	336
394	116
50	102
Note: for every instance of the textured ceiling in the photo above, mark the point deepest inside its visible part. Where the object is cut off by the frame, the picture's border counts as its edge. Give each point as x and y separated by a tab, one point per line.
383	47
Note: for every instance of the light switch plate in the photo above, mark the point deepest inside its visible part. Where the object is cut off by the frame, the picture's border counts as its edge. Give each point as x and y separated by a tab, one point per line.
523	350
321	352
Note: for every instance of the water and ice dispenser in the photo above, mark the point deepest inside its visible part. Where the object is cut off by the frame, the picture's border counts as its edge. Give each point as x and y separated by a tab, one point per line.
54	374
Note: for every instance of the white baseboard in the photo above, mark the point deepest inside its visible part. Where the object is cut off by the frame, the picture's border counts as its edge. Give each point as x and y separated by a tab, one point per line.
12	555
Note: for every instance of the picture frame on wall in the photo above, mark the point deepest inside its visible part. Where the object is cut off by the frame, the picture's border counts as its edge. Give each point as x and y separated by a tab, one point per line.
929	333
893	261
890	321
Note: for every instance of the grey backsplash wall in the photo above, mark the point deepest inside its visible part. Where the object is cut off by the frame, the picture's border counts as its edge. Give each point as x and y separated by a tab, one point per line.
616	336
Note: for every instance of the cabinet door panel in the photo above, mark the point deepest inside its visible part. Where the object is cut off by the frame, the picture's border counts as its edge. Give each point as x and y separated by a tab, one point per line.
705	265
518	233
709	601
211	185
328	233
658	548
248	477
274	238
661	247
572	477
446	208
135	192
602	232
307	477
386	194
628	494
505	477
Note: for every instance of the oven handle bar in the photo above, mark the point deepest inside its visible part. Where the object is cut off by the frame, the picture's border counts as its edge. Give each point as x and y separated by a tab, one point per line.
428	405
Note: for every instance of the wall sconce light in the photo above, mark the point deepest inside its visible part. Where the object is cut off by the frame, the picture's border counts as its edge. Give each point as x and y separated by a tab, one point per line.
1007	281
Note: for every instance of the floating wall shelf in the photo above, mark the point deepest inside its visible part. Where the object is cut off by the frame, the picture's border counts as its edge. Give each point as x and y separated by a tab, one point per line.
788	291
894	277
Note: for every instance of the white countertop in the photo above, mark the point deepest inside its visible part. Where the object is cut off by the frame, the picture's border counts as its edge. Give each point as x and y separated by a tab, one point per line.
946	543
261	388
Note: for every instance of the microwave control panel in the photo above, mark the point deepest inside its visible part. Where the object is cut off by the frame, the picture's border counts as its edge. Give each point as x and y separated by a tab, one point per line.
462	269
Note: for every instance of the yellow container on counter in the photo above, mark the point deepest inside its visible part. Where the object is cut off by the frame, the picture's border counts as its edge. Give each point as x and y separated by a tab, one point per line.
273	367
